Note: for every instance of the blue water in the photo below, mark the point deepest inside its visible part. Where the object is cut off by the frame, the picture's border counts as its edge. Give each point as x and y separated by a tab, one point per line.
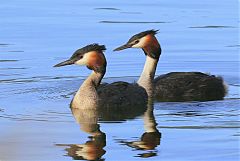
36	123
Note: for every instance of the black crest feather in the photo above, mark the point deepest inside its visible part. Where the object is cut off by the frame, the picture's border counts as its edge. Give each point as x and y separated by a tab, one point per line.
88	48
142	34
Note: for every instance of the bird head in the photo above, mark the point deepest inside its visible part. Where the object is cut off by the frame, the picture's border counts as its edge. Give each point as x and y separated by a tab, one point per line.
91	56
145	40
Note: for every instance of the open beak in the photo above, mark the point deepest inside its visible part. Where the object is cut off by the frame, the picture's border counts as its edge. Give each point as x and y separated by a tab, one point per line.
66	62
122	47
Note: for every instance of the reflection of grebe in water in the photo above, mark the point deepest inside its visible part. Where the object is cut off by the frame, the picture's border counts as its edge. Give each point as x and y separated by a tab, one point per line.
91	94
93	148
88	121
150	139
174	86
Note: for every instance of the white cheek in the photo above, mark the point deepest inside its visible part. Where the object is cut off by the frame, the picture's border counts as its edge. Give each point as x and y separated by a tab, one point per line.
140	44
82	61
136	46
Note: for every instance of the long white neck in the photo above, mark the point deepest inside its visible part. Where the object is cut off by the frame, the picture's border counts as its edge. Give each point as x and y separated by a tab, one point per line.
87	96
147	76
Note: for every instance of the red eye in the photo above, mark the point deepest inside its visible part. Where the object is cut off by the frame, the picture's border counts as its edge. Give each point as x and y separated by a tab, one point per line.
137	41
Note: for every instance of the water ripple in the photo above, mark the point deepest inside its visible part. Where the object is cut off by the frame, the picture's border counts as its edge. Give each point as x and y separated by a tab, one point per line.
212	26
134	22
13	68
232	46
34	79
45	116
4	44
15	51
107	8
8	60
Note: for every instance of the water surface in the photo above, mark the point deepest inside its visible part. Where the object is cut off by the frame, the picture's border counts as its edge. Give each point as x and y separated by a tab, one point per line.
36	122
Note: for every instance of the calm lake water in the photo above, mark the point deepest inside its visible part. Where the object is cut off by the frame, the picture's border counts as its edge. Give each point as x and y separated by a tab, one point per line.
35	120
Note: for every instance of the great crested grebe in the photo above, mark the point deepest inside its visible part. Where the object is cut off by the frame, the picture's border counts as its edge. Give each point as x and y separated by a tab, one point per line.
174	86
91	94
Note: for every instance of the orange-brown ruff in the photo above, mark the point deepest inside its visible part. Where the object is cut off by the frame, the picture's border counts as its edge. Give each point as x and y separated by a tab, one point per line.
92	95
150	43
175	86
